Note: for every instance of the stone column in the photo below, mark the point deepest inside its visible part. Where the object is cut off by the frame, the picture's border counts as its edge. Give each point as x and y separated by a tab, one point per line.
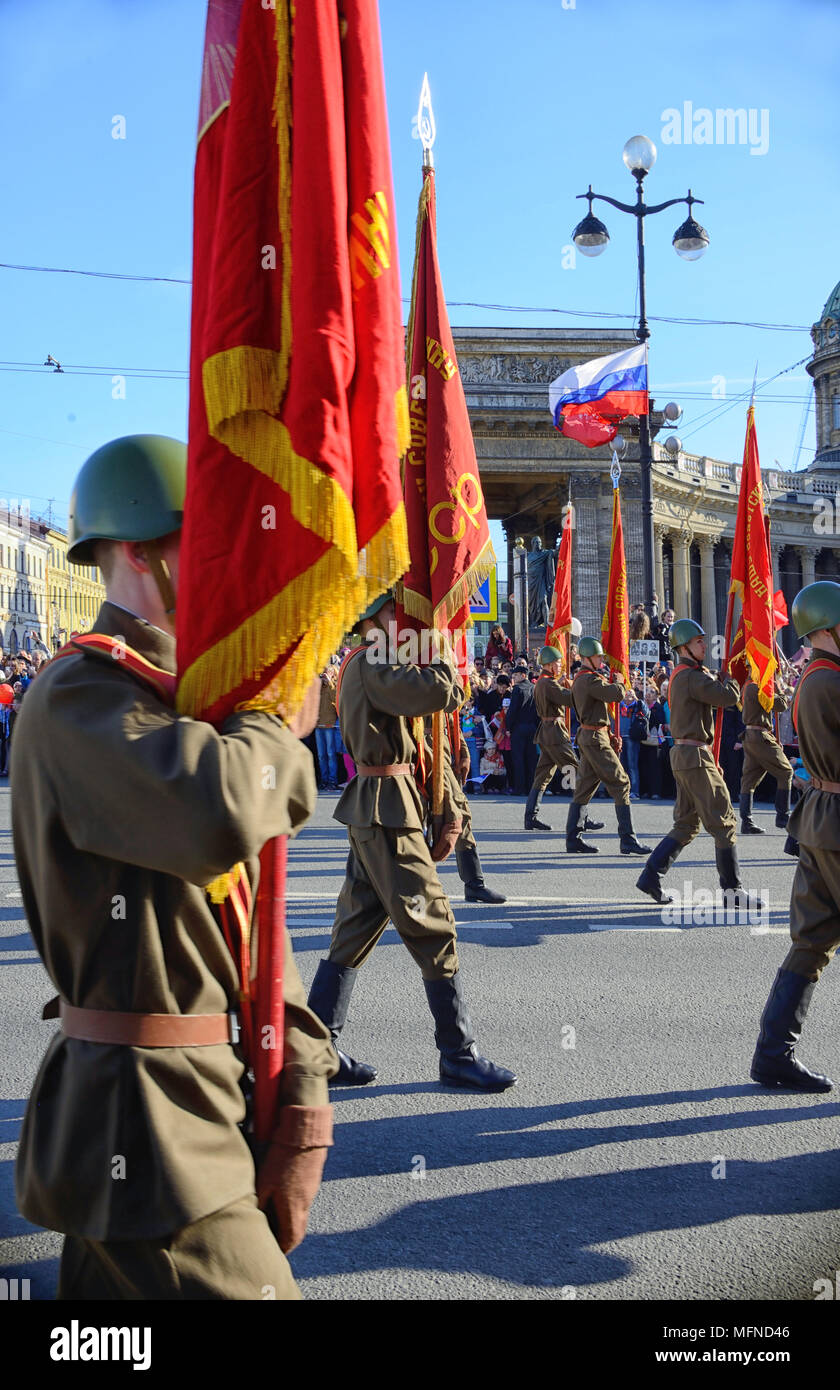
708	607
775	556
587	600
682	574
659	567
808	558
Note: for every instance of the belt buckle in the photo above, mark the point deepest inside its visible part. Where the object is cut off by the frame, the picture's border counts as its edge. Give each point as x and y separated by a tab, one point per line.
233	1027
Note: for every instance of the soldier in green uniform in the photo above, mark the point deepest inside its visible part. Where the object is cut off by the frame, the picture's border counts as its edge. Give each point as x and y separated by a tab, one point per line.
592	694
815	898
133	1143
556	751
763	753
390	872
702	797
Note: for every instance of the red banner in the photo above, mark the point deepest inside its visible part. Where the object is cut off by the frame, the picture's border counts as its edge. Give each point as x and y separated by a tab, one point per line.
294	517
560	613
615	629
449	536
752	574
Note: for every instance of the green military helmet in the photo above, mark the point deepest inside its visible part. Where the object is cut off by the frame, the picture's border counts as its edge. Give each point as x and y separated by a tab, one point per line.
816	606
684	630
131	489
375	607
590	646
549	654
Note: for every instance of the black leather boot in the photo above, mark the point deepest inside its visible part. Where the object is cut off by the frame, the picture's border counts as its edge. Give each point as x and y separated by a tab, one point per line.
650	879
531	822
729	877
460	1061
574	843
329	998
628	843
589	824
791	846
782	807
475	889
748	825
781	1027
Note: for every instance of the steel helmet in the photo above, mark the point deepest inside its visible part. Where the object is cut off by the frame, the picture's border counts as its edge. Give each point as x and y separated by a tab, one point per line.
815	606
547	655
131	489
590	646
375	607
684	630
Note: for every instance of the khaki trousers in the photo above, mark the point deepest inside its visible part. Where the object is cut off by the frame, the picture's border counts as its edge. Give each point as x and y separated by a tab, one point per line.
763	754
390	876
702	798
599	762
814	912
230	1254
550	760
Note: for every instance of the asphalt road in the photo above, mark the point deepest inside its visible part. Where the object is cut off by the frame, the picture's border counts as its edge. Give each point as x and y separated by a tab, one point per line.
634	1160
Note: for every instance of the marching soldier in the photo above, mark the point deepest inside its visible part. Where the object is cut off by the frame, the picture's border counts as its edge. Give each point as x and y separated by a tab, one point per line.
132	1143
391	872
591	695
763	753
702	797
815	898
551	697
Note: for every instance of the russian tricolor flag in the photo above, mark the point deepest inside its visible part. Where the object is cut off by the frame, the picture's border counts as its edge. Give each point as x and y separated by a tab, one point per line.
586	401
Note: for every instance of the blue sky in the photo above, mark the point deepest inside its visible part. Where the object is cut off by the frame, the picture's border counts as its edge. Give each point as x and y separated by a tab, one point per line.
533	102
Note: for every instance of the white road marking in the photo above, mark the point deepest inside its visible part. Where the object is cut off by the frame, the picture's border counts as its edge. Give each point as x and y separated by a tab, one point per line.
629	926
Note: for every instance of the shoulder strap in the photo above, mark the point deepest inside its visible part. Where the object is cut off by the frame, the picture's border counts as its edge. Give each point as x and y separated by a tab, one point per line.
342	669
99	644
818	665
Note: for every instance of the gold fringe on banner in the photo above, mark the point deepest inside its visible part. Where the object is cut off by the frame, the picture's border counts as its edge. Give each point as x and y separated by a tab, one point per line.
244	388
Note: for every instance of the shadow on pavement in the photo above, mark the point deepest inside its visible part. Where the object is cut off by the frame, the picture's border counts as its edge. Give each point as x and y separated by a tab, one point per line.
543	1234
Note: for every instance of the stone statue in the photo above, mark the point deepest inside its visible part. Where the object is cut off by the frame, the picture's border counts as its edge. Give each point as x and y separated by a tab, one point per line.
542	568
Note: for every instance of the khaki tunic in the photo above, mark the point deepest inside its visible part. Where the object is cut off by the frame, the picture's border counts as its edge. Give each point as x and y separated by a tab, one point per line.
815	822
702	795
762	751
122	811
390	874
592	694
551	698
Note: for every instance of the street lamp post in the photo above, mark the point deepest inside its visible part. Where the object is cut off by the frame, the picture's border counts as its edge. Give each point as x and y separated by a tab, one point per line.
690	241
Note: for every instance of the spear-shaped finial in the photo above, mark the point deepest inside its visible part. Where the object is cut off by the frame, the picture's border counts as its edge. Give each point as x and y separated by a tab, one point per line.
755	379
425	121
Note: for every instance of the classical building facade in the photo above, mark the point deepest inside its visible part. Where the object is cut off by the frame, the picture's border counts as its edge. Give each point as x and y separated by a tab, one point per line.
530	472
23	581
75	591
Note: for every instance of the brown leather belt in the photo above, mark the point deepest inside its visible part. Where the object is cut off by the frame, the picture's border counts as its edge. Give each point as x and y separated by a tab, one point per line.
757	726
384	769
605	727
823	786
694	742
147	1030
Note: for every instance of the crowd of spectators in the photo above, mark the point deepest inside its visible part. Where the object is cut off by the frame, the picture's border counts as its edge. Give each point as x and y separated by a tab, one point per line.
17	673
499	722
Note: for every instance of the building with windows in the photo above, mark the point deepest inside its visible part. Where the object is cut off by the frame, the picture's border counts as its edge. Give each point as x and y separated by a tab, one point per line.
23	581
74	592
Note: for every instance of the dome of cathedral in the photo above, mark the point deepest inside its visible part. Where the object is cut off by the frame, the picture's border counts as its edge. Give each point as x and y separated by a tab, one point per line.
832	305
